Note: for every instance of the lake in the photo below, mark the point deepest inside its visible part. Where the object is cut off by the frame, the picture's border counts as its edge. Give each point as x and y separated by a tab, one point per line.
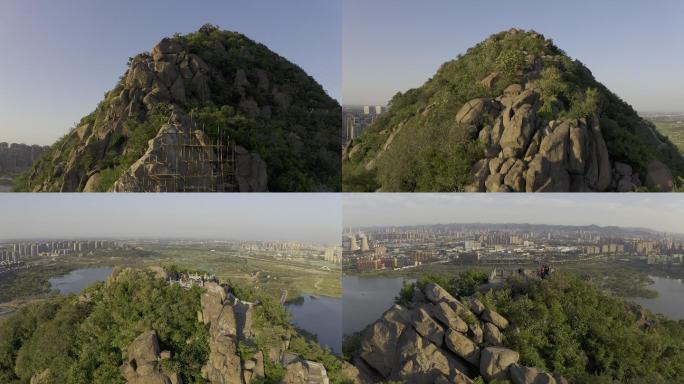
365	299
320	315
79	279
670	300
6	184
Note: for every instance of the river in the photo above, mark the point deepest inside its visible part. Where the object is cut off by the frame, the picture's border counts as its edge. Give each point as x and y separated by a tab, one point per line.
365	299
670	300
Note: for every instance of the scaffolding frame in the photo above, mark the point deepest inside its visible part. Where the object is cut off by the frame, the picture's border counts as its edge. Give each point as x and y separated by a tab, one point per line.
197	167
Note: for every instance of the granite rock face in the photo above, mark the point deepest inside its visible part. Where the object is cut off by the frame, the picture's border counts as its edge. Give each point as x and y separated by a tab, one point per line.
424	342
524	153
230	322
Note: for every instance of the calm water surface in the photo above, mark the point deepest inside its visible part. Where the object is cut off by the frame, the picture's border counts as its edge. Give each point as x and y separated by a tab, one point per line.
79	279
365	299
322	316
670	300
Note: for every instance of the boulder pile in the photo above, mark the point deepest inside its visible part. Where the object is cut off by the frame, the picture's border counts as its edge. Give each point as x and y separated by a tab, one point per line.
525	153
440	339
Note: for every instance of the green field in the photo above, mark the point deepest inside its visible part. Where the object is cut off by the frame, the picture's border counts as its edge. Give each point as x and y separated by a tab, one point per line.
672	127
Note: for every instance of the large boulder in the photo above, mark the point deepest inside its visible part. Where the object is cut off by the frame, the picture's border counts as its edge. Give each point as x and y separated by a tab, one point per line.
461	345
475	332
144	349
495	361
427	327
476	306
478	174
380	339
495	318
476	111
492	334
525	375
519	126
658	177
141	365
436	294
430	363
302	371
447	316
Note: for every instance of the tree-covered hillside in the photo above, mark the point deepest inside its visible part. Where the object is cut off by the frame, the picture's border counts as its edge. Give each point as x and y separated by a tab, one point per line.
519	98
90	338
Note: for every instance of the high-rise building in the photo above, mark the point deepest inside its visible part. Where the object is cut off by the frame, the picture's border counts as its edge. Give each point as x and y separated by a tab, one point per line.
364	244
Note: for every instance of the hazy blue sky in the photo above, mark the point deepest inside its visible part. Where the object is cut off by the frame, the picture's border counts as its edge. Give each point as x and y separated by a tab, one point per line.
634	47
268	216
60	57
664	212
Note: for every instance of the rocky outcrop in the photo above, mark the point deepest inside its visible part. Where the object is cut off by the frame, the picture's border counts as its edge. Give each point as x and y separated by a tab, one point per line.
439	338
300	371
230	324
525	153
659	177
226	330
15	158
142	362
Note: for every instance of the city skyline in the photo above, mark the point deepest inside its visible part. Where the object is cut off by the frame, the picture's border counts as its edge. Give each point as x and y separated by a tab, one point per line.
253	217
658	212
361	228
88	50
393	46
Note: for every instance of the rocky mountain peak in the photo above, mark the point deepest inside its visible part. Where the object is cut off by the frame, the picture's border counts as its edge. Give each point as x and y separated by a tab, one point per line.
262	117
514	113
